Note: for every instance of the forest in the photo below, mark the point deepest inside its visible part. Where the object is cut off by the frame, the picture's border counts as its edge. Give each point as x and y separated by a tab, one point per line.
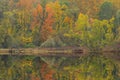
91	24
58	23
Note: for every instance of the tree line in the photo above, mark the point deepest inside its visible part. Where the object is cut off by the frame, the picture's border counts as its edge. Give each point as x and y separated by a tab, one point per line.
57	23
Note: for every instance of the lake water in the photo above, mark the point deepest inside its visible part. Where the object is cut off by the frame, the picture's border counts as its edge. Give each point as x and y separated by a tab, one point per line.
87	67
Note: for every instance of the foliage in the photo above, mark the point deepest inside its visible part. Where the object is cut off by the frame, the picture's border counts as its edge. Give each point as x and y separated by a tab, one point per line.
106	11
58	23
89	7
30	23
95	34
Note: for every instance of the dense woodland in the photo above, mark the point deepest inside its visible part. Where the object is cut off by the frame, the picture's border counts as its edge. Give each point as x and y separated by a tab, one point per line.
58	23
91	24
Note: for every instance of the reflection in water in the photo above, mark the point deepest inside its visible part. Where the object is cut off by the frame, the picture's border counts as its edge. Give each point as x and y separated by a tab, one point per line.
88	67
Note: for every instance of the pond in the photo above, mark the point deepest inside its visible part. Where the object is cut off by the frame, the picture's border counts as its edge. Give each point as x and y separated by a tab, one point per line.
91	66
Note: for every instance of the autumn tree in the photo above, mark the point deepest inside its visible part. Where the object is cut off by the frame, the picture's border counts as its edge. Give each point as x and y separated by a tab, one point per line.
59	14
42	22
23	19
95	34
64	20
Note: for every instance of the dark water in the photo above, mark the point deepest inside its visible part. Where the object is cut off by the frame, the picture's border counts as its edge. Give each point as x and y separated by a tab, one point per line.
87	67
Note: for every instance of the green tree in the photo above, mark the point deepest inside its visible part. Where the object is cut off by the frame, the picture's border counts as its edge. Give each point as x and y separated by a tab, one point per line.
106	11
117	23
6	30
117	17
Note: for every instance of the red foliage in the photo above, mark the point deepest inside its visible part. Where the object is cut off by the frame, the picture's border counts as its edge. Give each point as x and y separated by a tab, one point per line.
47	26
45	32
39	9
46	18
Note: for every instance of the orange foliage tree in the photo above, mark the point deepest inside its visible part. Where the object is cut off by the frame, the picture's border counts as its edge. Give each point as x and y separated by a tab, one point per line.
43	21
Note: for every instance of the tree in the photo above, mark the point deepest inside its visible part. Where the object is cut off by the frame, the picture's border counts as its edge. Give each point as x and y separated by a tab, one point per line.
95	34
42	22
117	17
59	14
81	28
23	19
117	22
89	7
6	30
106	11
3	5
